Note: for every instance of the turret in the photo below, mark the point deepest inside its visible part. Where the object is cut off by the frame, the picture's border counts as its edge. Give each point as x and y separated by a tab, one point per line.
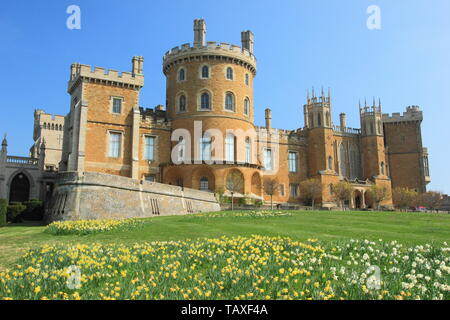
317	111
343	121
247	40
4	145
371	119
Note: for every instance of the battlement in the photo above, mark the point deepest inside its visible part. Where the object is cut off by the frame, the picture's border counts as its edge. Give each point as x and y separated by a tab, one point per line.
213	49
412	113
154	117
284	135
109	76
369	111
346	130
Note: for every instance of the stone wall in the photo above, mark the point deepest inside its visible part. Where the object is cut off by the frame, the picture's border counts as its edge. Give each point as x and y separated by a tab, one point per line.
89	195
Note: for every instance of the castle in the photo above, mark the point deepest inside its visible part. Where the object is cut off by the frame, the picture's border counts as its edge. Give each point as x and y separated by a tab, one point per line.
113	148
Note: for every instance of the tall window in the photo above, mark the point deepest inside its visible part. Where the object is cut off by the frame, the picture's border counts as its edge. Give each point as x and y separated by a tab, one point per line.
248	151
246	79
292	160
117	105
330	163
229	101
229	148
149	149
182	103
426	168
382	168
204	183
114	144
205	72
319	119
205	103
181	149
268	159
181	75
229	73
293	190
205	148
246	106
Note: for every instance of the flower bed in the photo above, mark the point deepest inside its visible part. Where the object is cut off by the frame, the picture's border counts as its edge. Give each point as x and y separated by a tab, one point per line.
83	227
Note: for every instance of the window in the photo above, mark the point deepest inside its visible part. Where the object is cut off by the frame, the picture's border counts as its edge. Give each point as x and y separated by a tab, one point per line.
204	183
330	163
246	106
205	148
319	120
117	105
268	159
327	118
248	151
181	75
229	73
205	72
181	148
282	190
331	188
382	168
292	160
205	103
150	178
229	101
426	168
182	103
114	144
229	148
246	79
149	150
293	190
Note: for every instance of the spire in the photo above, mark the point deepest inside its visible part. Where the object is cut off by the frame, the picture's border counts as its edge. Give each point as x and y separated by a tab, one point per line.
379	103
4	144
307	95
313	94
329	94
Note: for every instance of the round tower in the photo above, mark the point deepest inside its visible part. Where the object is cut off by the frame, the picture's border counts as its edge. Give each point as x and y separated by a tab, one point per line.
209	88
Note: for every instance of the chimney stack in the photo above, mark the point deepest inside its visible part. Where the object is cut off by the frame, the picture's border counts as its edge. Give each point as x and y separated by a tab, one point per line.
137	65
343	119
199	33
268	119
247	40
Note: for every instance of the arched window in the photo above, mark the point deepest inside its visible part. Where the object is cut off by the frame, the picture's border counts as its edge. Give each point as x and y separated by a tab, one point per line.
229	73
319	119
205	101
246	106
330	163
229	148
204	184
45	125
382	168
248	150
205	72
246	79
182	103
53	126
371	128
343	161
181	149
229	101
181	75
328	118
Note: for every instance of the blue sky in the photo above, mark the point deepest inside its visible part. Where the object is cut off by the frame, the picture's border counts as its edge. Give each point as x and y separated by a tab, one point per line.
298	44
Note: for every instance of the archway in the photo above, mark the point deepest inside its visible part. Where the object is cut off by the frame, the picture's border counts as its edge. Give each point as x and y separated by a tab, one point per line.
203	179
19	189
358	200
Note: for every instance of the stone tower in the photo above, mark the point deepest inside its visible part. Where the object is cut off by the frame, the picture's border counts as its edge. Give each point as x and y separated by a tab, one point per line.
317	117
407	158
209	90
372	142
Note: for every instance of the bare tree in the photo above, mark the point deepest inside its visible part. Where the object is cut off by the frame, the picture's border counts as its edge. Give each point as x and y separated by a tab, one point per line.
311	189
271	187
342	191
378	194
431	199
235	183
404	198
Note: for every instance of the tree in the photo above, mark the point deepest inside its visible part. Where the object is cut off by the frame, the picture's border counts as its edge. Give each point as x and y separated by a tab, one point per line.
235	183
404	198
378	194
271	187
431	199
310	190
219	194
342	191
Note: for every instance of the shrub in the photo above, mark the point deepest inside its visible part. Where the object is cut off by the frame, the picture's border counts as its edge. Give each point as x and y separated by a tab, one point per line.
15	209
3	210
258	203
34	210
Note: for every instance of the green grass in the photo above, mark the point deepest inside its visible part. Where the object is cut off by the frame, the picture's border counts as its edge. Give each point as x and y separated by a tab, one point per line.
407	228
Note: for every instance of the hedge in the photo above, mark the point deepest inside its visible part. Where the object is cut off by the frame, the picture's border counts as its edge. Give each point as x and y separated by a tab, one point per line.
15	210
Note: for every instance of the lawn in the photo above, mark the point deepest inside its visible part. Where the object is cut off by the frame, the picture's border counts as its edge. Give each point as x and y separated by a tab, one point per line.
406	228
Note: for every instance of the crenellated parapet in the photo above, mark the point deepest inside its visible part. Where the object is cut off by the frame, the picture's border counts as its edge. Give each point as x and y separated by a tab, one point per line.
283	136
412	114
82	72
212	50
154	118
